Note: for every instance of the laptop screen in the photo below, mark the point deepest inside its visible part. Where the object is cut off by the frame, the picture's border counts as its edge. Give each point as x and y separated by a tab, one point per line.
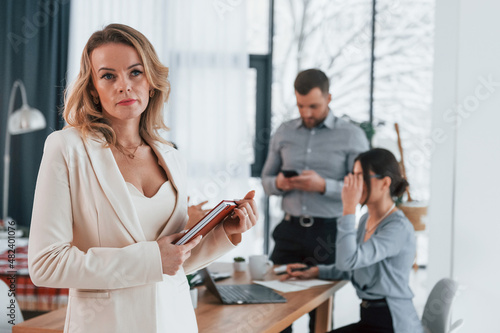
209	283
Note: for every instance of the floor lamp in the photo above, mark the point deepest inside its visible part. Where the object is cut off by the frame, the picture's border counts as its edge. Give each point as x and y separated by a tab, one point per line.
23	120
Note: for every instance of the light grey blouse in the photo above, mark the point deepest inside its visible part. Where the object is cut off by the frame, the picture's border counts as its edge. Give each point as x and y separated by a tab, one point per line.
379	267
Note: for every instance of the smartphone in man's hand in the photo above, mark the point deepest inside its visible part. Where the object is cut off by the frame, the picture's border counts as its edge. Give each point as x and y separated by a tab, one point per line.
289	173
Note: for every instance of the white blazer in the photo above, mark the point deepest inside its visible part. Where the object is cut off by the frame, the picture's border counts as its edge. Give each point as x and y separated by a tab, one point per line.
85	235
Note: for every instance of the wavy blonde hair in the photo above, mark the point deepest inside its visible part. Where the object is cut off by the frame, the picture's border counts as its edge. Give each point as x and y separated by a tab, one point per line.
80	111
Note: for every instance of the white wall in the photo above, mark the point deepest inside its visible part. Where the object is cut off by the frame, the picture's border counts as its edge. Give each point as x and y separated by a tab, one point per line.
464	224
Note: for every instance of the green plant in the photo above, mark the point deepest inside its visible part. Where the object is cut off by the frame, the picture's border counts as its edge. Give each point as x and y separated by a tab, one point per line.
190	278
239	259
369	129
366	126
400	200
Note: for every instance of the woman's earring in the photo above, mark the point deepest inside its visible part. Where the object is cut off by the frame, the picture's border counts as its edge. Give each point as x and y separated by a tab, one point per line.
151	93
96	99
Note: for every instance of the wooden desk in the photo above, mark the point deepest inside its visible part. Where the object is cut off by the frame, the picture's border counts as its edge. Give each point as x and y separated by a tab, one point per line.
52	322
214	317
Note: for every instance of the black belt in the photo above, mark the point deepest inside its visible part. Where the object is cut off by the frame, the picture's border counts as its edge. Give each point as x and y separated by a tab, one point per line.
308	221
373	303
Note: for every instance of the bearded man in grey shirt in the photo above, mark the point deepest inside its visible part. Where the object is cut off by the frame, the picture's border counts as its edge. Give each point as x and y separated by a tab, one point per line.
321	148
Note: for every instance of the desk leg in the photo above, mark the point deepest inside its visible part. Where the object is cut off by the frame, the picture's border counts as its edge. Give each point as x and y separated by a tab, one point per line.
324	316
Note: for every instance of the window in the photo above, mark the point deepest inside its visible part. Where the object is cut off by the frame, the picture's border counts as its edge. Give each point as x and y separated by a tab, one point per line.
336	36
404	51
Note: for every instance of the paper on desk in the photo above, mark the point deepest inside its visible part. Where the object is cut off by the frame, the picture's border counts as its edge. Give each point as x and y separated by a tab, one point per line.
280	286
292	285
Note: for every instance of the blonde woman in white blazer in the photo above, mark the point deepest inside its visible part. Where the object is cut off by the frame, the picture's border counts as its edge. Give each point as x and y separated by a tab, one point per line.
111	198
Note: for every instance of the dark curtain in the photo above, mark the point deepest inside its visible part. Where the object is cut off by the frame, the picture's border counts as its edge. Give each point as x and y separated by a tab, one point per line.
34	48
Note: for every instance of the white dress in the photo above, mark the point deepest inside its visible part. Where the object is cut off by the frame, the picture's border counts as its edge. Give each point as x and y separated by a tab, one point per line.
175	314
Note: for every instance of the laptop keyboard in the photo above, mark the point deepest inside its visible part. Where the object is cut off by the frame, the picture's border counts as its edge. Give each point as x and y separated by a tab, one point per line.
233	292
241	293
249	294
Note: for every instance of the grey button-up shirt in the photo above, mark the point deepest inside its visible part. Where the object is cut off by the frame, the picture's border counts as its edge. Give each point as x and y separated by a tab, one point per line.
329	149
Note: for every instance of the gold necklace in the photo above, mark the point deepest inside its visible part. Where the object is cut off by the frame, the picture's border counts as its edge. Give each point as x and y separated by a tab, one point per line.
368	231
127	153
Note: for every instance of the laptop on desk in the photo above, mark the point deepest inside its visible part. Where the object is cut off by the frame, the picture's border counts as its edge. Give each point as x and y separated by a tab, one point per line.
240	293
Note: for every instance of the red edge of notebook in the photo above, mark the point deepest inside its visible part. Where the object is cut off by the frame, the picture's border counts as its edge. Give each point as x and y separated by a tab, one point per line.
213	222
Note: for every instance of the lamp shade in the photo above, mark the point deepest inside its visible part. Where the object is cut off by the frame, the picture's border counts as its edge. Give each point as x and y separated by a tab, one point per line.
25	120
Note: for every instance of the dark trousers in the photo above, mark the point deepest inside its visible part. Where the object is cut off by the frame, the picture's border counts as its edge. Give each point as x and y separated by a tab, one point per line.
373	320
309	245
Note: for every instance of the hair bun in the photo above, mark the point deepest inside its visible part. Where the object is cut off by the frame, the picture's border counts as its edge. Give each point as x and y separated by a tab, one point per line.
399	187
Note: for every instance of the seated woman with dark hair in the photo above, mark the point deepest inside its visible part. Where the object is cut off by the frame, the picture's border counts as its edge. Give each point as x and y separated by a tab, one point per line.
378	256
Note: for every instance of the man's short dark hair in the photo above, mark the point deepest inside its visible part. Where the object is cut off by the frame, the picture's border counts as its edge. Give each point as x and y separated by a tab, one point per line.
310	79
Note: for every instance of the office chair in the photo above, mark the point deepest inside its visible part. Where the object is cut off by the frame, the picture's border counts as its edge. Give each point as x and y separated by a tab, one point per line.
436	317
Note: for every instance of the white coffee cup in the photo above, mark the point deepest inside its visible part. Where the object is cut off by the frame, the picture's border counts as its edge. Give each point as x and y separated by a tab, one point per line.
259	266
